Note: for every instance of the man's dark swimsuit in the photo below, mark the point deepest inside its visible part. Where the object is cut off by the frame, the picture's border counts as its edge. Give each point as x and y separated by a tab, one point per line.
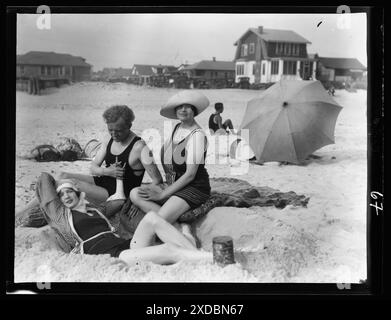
212	125
130	179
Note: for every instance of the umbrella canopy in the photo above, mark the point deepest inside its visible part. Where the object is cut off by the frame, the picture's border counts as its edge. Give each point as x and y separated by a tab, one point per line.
291	119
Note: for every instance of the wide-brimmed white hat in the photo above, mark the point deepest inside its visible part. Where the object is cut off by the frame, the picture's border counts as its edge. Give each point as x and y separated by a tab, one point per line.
196	99
66	183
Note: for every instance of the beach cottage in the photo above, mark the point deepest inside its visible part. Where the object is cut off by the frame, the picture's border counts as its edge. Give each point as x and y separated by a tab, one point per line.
340	69
51	65
210	69
146	72
269	55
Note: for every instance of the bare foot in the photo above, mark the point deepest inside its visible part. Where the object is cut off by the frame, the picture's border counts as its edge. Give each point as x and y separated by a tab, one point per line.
187	232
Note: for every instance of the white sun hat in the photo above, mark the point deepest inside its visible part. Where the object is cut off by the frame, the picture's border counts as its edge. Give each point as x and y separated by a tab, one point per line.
196	99
66	183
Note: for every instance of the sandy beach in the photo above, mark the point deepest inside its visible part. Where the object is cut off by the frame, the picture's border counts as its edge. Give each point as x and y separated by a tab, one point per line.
324	242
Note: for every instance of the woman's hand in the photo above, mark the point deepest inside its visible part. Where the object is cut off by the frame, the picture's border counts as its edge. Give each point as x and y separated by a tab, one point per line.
151	192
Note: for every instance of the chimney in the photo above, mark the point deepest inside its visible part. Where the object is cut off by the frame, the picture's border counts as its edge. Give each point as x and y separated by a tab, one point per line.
260	29
214	58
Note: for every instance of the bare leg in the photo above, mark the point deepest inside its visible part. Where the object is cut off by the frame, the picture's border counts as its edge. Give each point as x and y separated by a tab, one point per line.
173	208
144	205
228	124
164	254
77	176
152	224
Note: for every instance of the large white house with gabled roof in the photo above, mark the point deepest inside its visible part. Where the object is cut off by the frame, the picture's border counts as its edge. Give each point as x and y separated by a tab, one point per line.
269	55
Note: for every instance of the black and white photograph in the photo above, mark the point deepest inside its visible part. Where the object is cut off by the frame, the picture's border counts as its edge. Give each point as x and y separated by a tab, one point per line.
191	147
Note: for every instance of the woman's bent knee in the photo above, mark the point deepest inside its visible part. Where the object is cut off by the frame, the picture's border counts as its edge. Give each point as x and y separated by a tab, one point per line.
133	195
151	218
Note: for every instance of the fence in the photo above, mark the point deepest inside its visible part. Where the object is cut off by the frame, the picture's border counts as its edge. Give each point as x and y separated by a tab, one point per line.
35	85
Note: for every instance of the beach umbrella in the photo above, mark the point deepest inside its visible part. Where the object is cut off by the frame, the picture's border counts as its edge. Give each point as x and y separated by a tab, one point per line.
290	120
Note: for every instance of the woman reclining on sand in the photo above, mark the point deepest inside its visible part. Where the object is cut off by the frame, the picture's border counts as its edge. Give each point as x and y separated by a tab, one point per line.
86	230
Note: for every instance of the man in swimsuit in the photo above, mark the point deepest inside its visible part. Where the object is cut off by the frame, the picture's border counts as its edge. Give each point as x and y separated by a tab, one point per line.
216	121
126	157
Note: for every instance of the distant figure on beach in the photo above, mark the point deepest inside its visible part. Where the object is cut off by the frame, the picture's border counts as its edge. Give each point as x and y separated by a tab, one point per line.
81	228
216	121
126	157
183	159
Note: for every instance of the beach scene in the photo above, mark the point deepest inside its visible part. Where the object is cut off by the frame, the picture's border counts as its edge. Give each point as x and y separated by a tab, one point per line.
305	221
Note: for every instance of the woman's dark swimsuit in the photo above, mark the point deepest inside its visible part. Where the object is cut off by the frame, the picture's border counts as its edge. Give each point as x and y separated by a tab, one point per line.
89	224
198	190
130	179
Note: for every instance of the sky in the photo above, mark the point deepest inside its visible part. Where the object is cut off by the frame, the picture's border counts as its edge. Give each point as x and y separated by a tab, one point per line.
121	40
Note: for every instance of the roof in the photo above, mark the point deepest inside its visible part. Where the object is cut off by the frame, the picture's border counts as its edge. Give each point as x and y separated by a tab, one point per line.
143	69
51	59
212	65
341	63
123	72
146	69
277	35
170	68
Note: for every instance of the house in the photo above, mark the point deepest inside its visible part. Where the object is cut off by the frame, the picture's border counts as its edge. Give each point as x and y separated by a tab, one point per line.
269	55
210	70
182	66
340	69
145	72
51	65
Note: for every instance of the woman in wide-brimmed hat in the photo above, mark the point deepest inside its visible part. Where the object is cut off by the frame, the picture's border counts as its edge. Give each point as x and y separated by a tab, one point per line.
183	159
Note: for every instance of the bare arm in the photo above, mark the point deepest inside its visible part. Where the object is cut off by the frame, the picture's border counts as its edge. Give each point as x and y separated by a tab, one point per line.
96	168
146	158
50	203
219	121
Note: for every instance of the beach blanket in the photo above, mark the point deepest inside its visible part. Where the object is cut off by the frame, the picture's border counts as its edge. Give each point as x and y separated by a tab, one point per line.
226	192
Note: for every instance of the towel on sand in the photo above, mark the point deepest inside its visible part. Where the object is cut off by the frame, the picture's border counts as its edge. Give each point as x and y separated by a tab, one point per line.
226	192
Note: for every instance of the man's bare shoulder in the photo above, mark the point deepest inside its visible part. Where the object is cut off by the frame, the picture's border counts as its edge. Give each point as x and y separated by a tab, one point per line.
139	146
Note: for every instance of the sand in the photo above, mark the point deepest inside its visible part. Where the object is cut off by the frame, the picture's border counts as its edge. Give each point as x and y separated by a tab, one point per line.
325	242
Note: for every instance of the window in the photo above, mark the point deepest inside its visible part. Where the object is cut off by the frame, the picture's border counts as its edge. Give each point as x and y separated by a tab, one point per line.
289	49
252	48
290	67
21	68
244	50
278	48
254	68
275	65
295	50
42	70
263	68
240	69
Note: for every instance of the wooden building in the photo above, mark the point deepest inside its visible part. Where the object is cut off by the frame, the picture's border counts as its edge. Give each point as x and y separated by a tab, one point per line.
269	55
340	69
51	65
145	72
210	70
